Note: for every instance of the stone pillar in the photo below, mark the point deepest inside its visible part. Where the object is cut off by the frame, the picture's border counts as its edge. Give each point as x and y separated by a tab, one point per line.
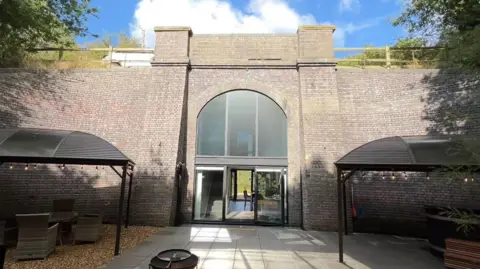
321	123
172	45
315	43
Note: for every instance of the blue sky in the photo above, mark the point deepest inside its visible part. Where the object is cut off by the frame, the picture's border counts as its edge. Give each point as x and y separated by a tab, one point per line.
358	22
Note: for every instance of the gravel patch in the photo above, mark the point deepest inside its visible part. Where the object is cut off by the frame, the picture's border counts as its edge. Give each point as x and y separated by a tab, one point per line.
86	256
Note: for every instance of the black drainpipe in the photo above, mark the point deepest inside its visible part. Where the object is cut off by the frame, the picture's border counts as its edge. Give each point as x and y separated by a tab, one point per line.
301	203
178	178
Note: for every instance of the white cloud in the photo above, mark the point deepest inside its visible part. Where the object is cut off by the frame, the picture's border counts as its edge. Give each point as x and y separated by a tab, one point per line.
349	5
217	16
343	30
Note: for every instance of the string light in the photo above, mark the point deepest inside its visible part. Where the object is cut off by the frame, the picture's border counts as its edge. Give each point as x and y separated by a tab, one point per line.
405	175
11	166
26	166
466	179
428	176
34	167
63	167
383	175
393	176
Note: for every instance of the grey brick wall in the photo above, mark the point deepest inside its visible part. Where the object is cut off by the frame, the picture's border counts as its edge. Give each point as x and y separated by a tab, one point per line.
382	103
322	138
244	48
150	114
136	110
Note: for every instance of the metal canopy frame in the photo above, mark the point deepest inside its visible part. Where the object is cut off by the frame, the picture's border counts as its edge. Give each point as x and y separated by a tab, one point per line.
63	149
361	161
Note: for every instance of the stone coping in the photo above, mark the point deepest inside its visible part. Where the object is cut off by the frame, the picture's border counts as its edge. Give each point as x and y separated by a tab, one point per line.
300	28
172	28
316	27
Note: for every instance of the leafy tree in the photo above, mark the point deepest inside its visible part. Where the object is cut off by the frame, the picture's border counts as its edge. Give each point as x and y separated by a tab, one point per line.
454	24
451	23
26	24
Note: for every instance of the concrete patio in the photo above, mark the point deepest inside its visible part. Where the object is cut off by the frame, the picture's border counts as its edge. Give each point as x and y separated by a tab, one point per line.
220	247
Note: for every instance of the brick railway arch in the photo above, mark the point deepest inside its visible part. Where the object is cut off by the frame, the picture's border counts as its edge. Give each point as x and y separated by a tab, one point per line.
241	156
263	88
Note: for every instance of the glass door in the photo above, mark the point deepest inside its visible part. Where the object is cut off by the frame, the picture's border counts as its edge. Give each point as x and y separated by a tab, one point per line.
238	196
209	189
269	197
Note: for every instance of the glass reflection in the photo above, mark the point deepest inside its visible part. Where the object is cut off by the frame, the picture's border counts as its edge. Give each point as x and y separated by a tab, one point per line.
211	128
242	123
208	195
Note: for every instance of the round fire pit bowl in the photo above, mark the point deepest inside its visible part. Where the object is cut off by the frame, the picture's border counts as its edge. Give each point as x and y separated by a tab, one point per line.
174	259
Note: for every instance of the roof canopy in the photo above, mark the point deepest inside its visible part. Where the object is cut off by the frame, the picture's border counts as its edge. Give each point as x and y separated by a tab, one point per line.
28	145
413	153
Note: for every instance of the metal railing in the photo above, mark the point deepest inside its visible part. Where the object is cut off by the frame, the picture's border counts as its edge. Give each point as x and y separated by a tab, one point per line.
414	57
386	57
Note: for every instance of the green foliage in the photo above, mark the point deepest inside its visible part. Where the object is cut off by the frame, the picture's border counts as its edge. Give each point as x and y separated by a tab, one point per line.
404	53
243	182
120	40
27	24
450	23
467	220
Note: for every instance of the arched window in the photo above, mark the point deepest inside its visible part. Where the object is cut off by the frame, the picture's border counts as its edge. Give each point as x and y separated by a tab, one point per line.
242	123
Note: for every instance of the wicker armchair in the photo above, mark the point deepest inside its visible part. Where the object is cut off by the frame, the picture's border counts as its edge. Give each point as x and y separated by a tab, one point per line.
89	228
36	240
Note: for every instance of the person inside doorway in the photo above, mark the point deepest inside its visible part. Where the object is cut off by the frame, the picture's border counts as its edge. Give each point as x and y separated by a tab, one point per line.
245	196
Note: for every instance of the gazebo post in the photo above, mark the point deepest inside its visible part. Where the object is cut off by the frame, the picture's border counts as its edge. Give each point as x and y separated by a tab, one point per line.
120	211
345	218
340	215
129	196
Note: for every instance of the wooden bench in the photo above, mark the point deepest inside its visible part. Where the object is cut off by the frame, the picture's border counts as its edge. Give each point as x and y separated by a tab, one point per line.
462	254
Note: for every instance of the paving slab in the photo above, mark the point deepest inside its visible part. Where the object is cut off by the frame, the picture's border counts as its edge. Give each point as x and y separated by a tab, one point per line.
237	247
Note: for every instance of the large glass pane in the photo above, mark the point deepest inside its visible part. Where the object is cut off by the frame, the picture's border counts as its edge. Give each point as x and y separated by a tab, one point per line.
208	194
247	114
211	128
272	129
269	196
241	123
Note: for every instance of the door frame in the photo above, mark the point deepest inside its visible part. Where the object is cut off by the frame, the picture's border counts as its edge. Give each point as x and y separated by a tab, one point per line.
242	168
194	196
226	176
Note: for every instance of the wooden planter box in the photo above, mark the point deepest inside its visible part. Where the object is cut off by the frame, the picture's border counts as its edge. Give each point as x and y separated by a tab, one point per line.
462	254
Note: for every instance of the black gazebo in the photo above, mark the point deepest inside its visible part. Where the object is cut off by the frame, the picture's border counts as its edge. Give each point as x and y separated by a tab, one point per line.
408	154
49	146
